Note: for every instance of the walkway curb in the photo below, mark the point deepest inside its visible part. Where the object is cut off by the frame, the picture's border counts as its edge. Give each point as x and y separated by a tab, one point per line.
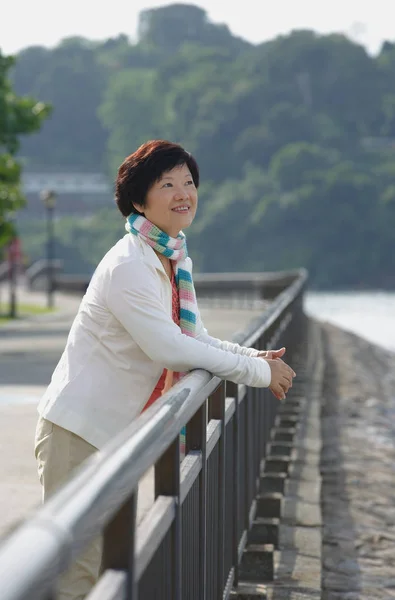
298	559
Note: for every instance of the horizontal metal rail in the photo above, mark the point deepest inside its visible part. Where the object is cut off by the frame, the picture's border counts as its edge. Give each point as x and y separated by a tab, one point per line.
190	540
224	289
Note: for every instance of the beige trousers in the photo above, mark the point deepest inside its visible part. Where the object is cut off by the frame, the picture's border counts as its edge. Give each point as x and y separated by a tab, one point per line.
58	453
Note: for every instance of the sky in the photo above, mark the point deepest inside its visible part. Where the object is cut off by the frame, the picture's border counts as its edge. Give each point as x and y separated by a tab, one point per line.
45	22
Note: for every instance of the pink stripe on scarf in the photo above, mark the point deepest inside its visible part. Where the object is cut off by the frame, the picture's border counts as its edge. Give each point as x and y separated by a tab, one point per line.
190	334
145	228
187	295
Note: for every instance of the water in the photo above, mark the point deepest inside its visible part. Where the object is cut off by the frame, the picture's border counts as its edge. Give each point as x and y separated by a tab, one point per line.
370	315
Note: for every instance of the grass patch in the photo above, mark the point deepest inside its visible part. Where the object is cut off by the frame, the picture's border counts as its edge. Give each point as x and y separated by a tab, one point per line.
23	310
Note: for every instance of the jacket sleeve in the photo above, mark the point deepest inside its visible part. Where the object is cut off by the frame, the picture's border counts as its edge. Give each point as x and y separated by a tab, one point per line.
203	336
134	298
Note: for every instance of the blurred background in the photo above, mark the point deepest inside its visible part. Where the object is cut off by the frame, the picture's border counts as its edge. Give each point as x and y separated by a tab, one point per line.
289	109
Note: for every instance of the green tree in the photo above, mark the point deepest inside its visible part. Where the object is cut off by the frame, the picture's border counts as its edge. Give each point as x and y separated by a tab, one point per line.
132	113
18	116
297	164
71	78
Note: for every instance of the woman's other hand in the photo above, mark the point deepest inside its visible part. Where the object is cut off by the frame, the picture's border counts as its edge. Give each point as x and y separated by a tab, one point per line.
282	376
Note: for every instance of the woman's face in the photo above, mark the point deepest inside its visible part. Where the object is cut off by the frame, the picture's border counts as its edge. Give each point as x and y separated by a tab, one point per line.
171	202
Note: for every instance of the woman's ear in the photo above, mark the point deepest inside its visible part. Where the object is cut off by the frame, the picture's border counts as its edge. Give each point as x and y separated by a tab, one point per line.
138	209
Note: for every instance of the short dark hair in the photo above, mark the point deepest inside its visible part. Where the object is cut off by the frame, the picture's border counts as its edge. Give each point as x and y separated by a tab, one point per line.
144	167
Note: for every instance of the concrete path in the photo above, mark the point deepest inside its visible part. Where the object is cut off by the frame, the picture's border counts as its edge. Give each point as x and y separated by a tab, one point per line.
29	351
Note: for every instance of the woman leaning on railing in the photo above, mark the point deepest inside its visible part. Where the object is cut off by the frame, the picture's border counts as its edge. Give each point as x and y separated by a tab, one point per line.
137	331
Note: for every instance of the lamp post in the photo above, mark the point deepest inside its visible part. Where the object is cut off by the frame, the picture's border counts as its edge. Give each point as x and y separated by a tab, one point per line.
12	267
49	199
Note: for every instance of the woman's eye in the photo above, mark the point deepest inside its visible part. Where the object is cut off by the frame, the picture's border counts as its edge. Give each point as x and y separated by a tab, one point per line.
168	184
190	182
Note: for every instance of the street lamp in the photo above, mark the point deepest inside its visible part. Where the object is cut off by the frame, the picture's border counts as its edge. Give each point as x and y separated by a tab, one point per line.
49	199
12	266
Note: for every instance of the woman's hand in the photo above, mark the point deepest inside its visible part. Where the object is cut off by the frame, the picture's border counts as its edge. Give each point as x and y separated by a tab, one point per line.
272	353
282	374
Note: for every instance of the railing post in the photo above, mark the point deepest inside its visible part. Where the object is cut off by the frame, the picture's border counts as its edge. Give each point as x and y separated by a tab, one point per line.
257	421
217	411
119	544
263	411
167	483
249	458
233	391
196	440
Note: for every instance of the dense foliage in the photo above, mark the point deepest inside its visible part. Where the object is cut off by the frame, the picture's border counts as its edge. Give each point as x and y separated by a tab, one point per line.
295	139
18	116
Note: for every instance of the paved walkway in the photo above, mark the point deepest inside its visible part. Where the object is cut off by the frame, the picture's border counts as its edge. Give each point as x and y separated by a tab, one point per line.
358	469
29	351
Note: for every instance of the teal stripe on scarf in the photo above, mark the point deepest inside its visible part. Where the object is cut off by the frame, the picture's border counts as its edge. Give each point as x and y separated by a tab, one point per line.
188	315
184	275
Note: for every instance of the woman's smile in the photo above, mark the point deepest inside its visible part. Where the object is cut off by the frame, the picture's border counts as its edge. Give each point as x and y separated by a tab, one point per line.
181	209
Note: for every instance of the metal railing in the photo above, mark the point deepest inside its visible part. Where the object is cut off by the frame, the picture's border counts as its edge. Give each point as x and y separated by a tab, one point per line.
37	273
188	546
225	290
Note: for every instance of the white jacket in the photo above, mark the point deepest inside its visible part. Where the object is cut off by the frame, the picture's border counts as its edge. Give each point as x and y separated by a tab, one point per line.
122	338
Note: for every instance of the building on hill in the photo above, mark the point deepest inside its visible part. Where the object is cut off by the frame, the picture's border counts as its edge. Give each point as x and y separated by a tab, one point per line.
77	193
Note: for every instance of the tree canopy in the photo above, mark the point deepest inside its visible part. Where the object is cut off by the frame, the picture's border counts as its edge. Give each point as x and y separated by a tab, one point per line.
18	116
295	138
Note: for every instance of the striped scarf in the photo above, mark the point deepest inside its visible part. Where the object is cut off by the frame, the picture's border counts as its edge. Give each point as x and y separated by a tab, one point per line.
176	250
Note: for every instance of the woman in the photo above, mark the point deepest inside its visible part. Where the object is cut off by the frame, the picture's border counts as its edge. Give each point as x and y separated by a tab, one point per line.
138	327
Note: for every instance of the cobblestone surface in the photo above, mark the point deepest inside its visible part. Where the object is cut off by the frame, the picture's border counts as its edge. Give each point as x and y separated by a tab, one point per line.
358	469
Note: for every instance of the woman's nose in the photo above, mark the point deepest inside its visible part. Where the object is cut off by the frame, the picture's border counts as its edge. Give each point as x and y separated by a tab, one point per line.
181	194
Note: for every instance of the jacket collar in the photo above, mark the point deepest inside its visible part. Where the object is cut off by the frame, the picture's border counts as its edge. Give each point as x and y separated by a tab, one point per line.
150	257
